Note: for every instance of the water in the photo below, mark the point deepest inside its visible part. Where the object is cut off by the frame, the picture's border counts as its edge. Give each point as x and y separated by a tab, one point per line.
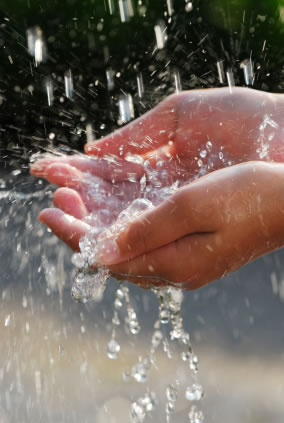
36	44
126	109
91	285
167	332
161	34
68	81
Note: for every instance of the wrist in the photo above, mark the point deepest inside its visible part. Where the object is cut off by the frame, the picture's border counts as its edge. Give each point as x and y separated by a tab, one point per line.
273	205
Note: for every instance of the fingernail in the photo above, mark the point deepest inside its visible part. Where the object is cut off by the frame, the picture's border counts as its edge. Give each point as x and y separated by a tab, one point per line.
108	252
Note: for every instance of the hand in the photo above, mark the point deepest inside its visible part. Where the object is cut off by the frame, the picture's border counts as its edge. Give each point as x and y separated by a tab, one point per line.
257	114
202	130
205	230
92	192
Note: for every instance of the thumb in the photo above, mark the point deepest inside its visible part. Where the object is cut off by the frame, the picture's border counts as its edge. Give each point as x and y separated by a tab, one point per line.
149	132
162	225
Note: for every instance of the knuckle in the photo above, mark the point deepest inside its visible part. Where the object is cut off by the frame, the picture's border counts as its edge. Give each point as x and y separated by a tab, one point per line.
181	205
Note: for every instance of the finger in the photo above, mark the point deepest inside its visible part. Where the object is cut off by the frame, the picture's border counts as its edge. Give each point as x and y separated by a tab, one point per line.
70	202
185	212
149	132
94	191
189	262
109	168
65	227
38	168
64	175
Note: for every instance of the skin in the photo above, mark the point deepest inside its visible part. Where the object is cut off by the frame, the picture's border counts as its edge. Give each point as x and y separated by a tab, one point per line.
211	226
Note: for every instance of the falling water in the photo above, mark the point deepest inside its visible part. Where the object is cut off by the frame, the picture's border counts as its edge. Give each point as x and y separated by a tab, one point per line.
169	336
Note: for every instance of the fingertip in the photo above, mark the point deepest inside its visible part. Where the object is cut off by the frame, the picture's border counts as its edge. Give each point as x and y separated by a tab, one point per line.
70	201
46	214
64	226
92	148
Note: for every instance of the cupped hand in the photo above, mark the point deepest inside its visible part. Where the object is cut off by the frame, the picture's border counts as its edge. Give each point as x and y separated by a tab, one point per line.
91	192
207	129
202	130
205	230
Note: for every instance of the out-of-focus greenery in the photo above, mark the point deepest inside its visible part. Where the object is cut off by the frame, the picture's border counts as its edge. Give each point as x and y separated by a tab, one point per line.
231	14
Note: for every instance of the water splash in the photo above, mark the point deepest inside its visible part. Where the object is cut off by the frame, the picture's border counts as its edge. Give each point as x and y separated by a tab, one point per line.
221	72
247	67
49	91
36	44
126	108
126	10
161	34
68	82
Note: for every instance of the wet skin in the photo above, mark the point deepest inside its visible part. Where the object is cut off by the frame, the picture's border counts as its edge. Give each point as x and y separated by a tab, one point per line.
209	227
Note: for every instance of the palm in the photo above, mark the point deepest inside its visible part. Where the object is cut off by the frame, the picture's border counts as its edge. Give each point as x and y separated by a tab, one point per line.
186	135
203	129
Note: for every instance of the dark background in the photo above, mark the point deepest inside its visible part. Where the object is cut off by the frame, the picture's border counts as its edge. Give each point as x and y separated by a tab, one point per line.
84	37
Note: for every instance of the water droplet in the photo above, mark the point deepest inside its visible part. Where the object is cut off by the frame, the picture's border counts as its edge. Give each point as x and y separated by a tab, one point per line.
247	67
51	135
209	145
170	407
193	363
185	356
185	338
194	393
126	108
49	91
230	79
171	393
195	415
126	10
137	413
138	372
120	294
113	349
68	81
188	7
7	320
110	79
117	304
164	316
140	85
156	338
161	35
115	320
221	72
149	401
36	45
177	81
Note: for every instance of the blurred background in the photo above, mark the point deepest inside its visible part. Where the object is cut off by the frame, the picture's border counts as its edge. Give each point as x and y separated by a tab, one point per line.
54	366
